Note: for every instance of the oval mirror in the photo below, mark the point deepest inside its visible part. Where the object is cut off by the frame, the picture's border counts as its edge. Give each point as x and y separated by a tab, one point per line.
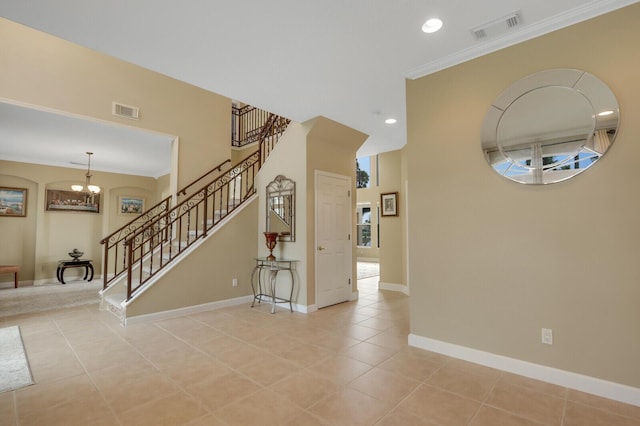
550	126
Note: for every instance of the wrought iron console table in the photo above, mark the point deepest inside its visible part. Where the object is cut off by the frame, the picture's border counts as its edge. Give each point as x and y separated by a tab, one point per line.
262	284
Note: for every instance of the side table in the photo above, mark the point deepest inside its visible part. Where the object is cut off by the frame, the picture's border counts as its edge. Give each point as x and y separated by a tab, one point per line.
80	263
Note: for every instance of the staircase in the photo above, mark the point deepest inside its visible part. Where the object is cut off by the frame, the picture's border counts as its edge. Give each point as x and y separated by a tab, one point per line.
137	253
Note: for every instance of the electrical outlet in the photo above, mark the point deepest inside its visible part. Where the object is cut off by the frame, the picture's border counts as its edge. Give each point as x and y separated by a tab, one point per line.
547	336
234	283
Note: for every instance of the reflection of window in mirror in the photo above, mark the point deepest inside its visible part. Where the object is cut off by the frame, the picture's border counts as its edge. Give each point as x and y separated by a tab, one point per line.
363	225
363	172
549	126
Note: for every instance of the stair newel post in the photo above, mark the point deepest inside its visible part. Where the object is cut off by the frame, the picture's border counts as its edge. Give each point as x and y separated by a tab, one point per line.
206	211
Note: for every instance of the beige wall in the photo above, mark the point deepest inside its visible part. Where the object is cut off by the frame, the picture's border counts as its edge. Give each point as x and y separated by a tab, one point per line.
239	154
207	273
331	147
44	71
391	227
37	241
492	261
163	188
287	159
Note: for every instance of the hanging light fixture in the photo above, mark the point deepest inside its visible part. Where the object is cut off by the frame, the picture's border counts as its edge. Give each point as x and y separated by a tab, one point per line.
87	188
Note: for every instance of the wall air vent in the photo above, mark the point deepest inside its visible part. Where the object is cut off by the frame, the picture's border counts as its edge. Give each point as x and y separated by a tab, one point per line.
497	26
126	111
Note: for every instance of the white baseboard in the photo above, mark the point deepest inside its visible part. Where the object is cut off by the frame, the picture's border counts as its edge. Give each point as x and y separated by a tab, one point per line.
394	287
592	385
187	310
304	309
49	281
354	296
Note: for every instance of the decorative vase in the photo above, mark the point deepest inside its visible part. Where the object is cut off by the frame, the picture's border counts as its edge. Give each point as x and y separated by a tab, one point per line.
272	239
76	254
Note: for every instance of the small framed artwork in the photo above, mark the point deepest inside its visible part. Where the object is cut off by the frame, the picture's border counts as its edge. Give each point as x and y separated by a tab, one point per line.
58	200
389	204
129	205
13	202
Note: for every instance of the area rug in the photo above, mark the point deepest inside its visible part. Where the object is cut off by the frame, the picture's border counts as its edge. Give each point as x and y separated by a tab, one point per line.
368	270
22	300
14	367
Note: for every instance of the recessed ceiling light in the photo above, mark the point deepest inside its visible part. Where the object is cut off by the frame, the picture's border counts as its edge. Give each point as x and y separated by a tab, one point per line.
604	113
432	25
391	121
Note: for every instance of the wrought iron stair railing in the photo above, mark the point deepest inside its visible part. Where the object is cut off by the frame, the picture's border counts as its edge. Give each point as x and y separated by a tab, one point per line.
152	247
141	248
114	257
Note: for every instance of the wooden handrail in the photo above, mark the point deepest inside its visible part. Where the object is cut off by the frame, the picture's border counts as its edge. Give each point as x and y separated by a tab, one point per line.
218	168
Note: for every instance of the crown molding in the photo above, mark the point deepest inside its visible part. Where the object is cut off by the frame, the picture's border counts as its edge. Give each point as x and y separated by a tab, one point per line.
587	11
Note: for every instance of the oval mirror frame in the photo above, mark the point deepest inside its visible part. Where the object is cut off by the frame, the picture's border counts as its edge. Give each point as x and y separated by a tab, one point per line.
550	126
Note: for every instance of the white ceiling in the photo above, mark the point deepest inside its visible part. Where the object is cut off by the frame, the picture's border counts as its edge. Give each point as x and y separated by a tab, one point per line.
43	137
345	60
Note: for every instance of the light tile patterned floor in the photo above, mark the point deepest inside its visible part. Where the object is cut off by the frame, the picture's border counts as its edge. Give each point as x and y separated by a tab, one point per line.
344	365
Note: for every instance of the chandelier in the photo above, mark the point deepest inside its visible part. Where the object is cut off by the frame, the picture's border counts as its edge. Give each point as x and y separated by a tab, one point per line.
87	188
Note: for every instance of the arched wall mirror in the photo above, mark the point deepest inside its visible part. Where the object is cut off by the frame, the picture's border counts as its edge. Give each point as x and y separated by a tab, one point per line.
281	203
550	126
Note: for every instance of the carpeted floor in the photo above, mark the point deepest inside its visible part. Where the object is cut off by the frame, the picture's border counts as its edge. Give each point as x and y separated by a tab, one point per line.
14	367
15	301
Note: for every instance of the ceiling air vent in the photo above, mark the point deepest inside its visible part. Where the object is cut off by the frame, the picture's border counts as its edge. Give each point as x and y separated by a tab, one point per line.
497	26
126	111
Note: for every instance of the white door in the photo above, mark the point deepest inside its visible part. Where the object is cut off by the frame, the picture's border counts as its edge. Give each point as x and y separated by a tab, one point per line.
333	243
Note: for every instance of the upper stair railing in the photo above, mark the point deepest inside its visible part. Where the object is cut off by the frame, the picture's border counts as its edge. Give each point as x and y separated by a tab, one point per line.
151	241
251	124
274	127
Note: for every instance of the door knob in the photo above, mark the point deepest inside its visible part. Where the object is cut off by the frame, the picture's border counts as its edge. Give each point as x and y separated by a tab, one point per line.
320	248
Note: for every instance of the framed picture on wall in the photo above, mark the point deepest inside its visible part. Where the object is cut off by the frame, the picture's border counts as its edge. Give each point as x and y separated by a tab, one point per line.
58	200
13	202
130	205
389	204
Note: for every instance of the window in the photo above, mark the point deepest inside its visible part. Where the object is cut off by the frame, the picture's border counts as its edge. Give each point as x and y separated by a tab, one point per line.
363	171
363	226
